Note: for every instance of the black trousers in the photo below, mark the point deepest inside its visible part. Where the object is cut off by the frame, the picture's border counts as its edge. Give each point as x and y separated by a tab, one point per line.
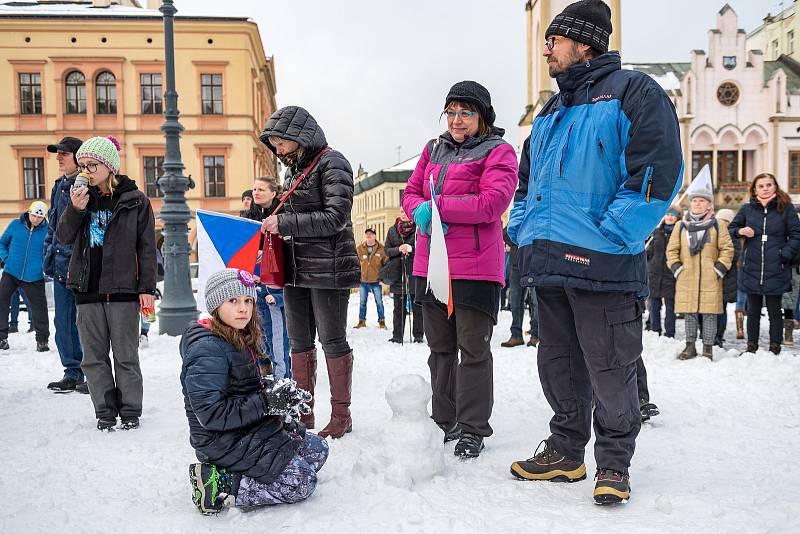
310	311
399	317
590	342
36	299
463	389
774	311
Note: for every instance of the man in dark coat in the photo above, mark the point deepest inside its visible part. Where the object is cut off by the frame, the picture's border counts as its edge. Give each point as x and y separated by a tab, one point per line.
321	261
662	281
56	265
399	248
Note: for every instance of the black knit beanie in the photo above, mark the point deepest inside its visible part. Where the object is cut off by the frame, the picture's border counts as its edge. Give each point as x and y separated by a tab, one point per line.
587	22
474	93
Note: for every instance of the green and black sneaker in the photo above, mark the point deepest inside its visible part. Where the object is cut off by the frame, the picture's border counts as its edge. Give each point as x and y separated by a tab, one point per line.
549	465
612	487
213	488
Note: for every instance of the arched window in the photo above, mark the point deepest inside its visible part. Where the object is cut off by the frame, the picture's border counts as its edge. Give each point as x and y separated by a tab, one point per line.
106	90
76	92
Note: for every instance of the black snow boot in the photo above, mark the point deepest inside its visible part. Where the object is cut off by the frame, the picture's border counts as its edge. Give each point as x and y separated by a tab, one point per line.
68	383
4	344
129	423
549	465
469	446
451	432
213	488
648	410
106	424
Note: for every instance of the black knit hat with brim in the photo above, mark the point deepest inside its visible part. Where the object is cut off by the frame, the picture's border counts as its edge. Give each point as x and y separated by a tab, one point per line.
587	22
474	93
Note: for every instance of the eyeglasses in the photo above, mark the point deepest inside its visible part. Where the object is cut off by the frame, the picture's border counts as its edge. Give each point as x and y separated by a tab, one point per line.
550	42
89	167
462	114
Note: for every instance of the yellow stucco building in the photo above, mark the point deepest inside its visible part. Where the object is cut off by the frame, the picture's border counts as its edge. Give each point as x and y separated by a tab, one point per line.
96	67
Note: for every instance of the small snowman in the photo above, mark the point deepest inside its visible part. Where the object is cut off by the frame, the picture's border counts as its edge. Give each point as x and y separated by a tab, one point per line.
410	443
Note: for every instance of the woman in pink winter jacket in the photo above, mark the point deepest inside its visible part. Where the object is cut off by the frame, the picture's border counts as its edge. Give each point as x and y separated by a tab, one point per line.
475	175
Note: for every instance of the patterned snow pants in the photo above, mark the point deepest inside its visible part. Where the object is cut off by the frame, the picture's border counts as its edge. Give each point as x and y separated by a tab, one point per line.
297	481
691	322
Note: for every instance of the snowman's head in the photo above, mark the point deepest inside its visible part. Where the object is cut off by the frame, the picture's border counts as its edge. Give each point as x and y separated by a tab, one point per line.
408	396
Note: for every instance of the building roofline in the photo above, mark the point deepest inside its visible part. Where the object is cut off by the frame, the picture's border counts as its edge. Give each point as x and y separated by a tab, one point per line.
77	16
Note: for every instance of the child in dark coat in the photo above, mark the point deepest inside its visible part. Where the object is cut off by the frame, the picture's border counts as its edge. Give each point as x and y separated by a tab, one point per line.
244	427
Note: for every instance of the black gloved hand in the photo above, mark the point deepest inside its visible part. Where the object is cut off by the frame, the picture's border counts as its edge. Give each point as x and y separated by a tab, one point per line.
284	399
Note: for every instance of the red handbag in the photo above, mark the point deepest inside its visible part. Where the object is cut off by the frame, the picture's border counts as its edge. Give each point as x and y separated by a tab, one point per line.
273	271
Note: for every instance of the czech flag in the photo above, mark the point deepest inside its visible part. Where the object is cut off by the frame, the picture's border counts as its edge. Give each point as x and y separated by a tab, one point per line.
224	241
438	260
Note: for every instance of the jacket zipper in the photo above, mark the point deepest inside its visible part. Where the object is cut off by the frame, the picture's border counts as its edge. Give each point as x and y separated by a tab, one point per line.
27	247
477	239
763	233
649	178
564	151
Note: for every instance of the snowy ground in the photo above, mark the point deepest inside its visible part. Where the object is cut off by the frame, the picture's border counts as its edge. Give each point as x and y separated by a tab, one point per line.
720	458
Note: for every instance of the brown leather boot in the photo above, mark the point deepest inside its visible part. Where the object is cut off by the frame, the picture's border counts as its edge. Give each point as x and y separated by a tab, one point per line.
360	324
739	324
340	375
304	372
788	332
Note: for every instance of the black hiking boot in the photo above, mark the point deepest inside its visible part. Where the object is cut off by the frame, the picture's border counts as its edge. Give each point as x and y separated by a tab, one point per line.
549	465
4	344
648	410
469	446
612	487
68	383
129	423
751	347
106	424
213	488
83	388
775	348
451	433
42	346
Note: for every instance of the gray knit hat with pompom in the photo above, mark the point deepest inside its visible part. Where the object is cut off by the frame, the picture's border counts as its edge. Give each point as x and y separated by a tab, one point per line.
227	284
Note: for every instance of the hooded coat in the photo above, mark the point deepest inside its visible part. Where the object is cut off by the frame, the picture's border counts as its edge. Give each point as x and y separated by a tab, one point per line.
392	272
662	282
320	251
227	422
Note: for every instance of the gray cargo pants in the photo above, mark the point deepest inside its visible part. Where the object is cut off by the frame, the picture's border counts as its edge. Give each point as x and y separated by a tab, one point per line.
113	325
589	344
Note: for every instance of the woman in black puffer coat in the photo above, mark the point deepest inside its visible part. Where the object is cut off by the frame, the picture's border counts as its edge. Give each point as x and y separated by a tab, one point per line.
320	255
771	230
399	247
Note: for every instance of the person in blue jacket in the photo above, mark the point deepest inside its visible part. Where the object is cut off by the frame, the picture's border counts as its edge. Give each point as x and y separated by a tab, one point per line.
598	172
244	426
56	265
21	255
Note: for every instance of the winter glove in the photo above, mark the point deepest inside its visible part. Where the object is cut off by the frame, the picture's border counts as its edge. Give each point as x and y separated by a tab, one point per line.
676	269
422	217
284	399
720	269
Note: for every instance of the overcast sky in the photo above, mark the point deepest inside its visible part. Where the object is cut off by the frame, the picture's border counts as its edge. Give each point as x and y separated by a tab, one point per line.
375	73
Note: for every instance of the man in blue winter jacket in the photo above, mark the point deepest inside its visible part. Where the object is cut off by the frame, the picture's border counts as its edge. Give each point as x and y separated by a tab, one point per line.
598	172
56	264
21	255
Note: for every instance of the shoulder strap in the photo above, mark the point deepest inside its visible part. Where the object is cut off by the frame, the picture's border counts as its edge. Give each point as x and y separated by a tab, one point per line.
300	178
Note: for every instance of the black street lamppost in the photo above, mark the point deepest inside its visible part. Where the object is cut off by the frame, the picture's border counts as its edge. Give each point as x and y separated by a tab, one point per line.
178	306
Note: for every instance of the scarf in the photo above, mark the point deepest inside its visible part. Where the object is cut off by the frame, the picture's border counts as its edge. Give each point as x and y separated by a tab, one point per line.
405	228
697	226
766	200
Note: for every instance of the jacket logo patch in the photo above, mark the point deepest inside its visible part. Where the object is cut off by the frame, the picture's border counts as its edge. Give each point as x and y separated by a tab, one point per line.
578	259
602	97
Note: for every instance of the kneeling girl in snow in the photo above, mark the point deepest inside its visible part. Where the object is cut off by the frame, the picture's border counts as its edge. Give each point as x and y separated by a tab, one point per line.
244	427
